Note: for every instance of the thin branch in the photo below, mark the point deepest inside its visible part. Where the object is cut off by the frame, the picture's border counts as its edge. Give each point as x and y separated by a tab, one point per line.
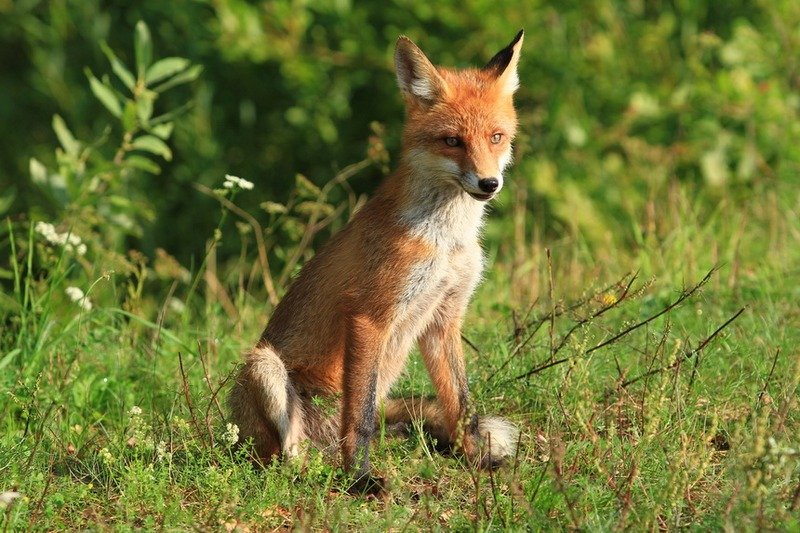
769	377
470	344
516	350
162	313
213	401
551	290
533	326
688	354
207	379
596	314
683	297
259	233
578	303
188	396
312	227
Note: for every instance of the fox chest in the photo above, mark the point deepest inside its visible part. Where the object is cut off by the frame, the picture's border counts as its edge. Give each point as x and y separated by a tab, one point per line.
435	289
432	281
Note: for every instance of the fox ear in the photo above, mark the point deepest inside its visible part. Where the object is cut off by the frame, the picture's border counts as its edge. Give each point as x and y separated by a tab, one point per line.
504	65
416	75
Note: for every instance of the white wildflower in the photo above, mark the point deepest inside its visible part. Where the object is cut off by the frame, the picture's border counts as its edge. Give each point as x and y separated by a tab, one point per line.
48	231
70	241
231	435
176	306
8	497
162	453
135	411
235	182
77	296
106	456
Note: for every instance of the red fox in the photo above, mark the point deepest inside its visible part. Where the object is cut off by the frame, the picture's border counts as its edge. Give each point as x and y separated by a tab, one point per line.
401	271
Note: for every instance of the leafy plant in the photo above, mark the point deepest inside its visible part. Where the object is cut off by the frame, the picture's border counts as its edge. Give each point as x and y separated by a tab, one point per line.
94	189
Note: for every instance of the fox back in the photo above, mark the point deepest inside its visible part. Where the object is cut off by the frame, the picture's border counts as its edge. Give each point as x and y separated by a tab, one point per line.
401	271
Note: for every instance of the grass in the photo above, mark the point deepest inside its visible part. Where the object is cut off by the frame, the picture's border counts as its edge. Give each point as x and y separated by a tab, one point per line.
114	418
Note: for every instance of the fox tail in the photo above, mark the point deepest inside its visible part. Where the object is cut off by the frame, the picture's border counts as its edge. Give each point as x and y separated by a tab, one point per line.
498	438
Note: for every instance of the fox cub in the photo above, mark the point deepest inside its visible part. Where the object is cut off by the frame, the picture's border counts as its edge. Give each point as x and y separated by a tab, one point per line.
401	271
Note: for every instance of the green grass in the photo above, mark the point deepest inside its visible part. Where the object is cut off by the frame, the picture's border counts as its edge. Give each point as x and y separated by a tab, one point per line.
646	432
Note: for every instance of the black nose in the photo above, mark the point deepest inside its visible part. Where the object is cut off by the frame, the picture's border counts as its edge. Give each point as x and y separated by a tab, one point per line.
488	184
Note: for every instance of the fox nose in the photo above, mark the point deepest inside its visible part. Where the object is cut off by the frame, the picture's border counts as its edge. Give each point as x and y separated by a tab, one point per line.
488	184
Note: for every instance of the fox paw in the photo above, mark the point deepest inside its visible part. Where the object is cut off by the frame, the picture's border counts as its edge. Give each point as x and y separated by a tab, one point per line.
369	486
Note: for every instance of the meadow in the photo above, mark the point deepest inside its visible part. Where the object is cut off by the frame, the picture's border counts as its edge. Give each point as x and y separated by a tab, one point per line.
638	319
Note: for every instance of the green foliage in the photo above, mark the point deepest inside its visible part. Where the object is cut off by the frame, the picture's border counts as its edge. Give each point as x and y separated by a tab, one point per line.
613	92
98	192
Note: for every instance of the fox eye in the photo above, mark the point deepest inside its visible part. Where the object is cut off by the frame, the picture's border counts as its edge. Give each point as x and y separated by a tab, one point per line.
452	141
496	138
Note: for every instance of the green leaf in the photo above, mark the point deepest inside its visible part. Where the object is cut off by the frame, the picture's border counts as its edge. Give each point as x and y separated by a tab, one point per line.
118	67
7	358
310	208
154	145
188	75
38	172
305	187
165	68
122	202
6	199
55	184
163	130
144	108
129	116
172	115
105	94
143	46
65	137
142	163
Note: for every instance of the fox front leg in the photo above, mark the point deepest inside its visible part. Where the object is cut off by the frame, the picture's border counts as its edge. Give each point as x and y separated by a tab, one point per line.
486	441
360	403
442	352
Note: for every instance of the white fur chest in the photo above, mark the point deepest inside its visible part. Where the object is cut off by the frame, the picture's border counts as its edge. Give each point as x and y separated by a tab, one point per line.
446	219
450	223
432	284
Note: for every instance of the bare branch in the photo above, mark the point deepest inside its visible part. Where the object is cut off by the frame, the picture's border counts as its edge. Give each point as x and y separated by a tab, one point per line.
596	314
688	354
259	233
683	297
188	396
769	377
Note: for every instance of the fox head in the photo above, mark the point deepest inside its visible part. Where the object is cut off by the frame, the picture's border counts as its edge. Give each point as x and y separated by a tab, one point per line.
459	123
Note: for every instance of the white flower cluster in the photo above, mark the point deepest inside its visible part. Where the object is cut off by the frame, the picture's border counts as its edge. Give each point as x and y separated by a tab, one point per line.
777	456
70	241
77	296
106	456
135	411
8	497
235	182
231	435
162	453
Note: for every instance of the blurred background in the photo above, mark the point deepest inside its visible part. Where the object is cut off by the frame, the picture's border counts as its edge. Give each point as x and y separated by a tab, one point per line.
636	116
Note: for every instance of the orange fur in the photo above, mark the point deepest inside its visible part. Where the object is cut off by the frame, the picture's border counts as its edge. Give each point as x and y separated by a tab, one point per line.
402	271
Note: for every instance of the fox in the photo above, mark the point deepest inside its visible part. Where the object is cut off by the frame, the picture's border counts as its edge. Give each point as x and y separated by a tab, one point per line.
401	271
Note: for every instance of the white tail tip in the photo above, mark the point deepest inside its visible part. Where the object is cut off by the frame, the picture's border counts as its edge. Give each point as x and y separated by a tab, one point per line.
500	435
